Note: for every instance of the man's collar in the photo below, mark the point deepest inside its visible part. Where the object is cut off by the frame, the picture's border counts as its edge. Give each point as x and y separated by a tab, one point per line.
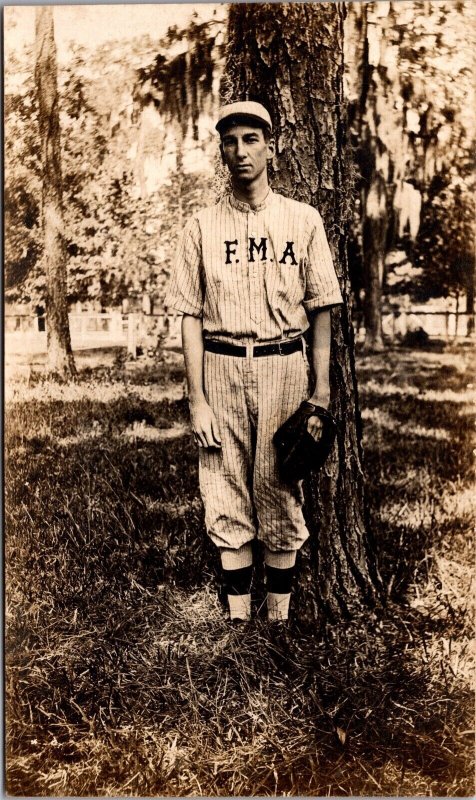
240	205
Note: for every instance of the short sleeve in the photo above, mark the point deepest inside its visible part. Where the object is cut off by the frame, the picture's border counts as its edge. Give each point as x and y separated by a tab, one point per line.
322	286
185	292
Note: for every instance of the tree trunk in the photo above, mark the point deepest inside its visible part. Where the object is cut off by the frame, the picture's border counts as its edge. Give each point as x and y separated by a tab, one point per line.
374	157
60	356
457	315
374	237
289	57
470	299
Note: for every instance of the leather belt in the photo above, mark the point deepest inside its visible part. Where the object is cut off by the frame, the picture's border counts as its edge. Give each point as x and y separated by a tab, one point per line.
273	349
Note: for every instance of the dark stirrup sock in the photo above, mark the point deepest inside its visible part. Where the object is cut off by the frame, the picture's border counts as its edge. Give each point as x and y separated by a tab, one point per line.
238	581
279	584
279	581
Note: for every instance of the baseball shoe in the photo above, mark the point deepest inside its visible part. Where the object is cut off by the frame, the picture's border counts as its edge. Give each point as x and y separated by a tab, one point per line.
279	634
236	623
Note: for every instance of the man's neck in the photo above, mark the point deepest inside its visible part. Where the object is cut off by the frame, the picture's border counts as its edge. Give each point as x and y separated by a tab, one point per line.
252	193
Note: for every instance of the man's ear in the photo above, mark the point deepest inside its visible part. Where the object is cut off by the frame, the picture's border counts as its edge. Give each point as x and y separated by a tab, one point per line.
222	154
271	150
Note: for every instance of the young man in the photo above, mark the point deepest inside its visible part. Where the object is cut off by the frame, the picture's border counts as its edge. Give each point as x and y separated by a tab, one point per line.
252	274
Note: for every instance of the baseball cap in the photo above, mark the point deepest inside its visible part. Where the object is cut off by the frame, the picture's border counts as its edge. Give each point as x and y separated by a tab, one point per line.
246	109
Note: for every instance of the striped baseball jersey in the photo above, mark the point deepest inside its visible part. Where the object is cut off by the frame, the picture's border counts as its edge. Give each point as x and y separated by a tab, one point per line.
253	273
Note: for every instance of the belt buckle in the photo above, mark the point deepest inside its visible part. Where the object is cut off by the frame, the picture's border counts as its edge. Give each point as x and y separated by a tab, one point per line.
279	349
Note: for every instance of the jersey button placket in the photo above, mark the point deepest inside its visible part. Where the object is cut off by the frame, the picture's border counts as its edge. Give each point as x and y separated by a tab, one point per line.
253	268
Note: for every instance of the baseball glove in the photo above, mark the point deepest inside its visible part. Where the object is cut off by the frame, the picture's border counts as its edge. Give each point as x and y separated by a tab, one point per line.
297	450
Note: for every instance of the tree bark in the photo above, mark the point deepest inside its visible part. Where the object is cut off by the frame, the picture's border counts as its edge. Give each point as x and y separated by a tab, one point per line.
374	238
470	298
374	161
289	57
60	356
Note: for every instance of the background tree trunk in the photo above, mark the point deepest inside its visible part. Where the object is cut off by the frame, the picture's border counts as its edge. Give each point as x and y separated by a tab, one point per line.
374	245
470	298
375	152
289	57
60	356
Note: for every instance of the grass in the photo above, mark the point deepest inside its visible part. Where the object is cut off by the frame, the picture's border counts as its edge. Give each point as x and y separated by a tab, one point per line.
123	675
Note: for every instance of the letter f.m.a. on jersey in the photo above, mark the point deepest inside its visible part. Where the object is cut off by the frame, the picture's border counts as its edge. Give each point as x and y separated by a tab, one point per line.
252	274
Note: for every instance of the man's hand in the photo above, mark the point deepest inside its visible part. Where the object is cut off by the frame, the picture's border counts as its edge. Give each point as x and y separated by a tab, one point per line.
314	427
204	425
314	424
202	418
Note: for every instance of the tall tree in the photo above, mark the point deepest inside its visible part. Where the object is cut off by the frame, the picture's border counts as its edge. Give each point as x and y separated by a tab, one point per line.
375	122
120	203
445	242
60	356
290	57
408	76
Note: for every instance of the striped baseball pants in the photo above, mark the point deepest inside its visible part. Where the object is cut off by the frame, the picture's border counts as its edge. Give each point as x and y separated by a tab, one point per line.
243	495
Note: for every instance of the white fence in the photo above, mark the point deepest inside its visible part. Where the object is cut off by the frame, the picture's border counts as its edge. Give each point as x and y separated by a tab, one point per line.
27	334
438	324
445	325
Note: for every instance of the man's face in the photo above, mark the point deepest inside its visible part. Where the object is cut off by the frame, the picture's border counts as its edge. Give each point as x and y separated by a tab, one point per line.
245	151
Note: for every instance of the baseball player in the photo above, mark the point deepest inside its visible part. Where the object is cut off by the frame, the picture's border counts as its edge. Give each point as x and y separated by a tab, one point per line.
252	274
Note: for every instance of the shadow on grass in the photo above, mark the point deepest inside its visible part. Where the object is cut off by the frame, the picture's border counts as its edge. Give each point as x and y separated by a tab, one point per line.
123	672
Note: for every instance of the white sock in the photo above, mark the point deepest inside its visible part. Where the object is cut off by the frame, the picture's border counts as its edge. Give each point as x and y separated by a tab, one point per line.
282	559
240	606
278	606
236	559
